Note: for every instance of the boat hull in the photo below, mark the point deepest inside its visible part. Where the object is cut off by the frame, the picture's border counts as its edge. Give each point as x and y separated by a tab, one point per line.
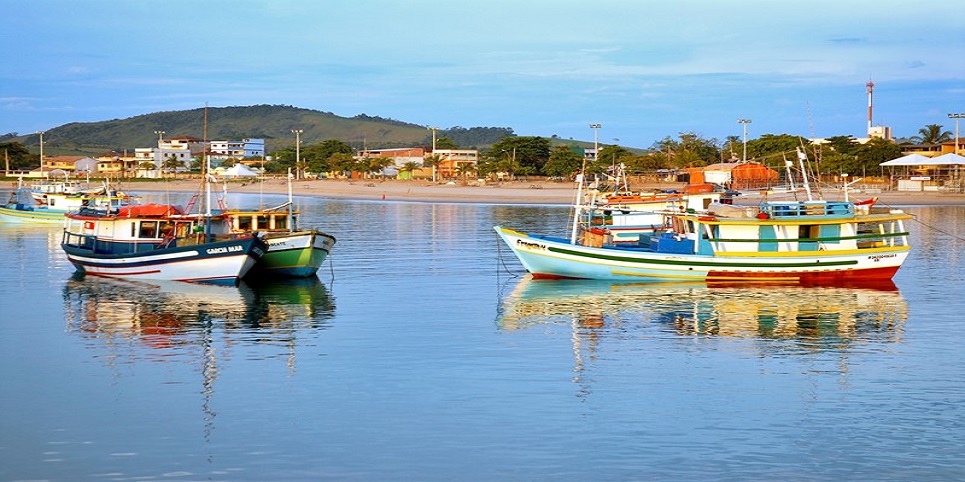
546	257
298	254
31	216
223	262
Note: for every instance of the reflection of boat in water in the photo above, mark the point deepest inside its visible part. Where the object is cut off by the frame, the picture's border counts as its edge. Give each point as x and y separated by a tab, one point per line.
825	315
124	321
164	313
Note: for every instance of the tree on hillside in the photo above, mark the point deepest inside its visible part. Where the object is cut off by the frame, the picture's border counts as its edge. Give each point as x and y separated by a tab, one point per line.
563	162
528	153
932	134
473	136
861	159
733	147
771	149
445	143
316	156
18	156
611	156
690	150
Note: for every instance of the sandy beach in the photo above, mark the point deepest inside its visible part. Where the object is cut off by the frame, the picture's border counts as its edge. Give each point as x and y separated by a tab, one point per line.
519	192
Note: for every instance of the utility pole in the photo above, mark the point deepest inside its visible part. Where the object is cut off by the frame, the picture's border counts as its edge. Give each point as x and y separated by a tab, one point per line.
956	117
434	158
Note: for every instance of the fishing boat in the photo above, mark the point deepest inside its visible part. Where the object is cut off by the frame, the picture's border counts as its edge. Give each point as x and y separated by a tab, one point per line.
22	209
158	242
48	186
811	241
25	207
292	252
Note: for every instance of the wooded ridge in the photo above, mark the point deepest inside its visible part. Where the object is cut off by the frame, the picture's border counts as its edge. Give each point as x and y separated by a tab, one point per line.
273	123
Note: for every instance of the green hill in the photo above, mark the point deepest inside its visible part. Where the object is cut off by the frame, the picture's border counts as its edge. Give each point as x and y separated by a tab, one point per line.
273	123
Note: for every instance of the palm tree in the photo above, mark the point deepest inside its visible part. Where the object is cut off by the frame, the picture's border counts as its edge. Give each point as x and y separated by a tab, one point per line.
408	167
171	164
932	134
432	160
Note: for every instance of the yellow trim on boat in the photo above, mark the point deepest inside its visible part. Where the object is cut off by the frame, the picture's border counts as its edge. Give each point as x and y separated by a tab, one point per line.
819	254
661	276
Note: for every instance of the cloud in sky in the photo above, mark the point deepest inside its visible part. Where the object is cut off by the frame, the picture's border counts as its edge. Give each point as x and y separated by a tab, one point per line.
645	70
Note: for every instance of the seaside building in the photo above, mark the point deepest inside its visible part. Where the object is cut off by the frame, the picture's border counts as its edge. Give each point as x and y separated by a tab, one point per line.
68	164
456	163
184	149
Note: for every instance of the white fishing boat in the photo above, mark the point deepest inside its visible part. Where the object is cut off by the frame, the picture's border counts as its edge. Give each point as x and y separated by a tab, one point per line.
812	241
158	242
161	242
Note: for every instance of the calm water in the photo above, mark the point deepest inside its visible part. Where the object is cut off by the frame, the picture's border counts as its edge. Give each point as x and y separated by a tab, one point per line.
420	353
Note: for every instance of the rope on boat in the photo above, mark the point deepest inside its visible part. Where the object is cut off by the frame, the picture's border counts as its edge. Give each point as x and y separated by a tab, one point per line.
502	260
933	228
914	218
331	267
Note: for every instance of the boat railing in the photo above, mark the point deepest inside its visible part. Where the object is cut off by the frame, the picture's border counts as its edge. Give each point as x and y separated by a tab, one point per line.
801	209
93	244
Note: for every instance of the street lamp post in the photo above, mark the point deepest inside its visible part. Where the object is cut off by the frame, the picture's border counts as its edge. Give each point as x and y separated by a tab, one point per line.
596	140
434	158
956	117
744	122
160	137
299	172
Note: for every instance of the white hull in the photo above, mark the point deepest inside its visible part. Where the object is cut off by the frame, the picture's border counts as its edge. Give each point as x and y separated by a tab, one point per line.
556	258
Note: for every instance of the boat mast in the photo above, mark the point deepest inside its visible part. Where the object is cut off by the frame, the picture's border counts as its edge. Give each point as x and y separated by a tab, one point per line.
291	215
801	157
205	170
577	207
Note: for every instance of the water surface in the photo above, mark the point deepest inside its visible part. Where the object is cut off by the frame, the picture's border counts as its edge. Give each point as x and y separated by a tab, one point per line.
422	352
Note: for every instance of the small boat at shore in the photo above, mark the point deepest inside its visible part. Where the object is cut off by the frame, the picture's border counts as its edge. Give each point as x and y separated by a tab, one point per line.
292	252
158	242
813	241
23	207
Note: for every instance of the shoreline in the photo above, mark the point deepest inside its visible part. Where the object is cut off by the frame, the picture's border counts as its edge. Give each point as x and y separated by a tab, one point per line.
516	192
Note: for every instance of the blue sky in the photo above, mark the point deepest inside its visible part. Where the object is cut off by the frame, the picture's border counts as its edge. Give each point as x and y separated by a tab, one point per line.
643	69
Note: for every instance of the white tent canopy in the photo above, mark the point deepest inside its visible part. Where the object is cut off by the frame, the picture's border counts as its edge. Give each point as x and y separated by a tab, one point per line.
910	160
949	159
239	170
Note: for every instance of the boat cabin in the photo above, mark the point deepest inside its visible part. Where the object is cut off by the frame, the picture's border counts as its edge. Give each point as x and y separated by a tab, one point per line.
262	221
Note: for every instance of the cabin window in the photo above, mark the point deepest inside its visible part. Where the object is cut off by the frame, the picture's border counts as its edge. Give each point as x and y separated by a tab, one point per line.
808	232
281	222
244	223
167	229
263	222
148	229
